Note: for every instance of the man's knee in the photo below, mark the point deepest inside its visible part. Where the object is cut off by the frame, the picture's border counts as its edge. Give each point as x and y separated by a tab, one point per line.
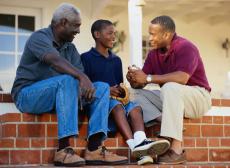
118	108
68	79
171	87
102	86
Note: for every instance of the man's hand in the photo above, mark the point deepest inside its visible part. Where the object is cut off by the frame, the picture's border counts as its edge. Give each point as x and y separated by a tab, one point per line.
115	91
86	86
136	76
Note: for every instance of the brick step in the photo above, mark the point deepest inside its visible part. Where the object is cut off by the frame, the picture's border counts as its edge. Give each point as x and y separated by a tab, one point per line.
32	139
187	165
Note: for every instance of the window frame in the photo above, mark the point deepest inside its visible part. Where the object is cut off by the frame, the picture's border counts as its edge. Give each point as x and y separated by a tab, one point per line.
7	77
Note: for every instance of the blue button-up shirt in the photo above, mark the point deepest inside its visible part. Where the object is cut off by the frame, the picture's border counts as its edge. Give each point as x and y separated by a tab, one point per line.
32	67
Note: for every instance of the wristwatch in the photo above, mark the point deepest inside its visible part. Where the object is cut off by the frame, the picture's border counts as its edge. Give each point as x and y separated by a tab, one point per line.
149	78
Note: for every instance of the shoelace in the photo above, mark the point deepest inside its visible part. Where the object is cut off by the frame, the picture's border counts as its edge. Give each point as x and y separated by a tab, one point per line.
105	151
70	151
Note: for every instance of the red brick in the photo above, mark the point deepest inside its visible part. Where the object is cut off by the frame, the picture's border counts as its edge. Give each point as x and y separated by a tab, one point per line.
22	143
197	120
220	155
197	155
1	97
226	131
118	134
186	120
192	166
25	157
38	142
207	119
4	157
226	119
52	143
192	130
72	141
212	130
218	119
6	143
189	142
121	142
11	117
7	98
80	152
8	130
83	130
53	117
52	130
110	142
207	166
43	117
221	166
164	166
48	156
225	142
216	102
213	142
201	142
31	130
179	166
81	142
225	102
26	117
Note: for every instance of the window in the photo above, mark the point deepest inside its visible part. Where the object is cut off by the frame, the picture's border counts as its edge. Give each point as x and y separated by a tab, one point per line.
16	25
145	47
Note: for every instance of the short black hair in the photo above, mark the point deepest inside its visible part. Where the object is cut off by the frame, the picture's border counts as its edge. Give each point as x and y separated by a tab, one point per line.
98	25
166	22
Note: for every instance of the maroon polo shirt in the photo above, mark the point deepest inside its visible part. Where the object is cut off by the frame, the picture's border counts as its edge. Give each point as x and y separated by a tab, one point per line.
182	56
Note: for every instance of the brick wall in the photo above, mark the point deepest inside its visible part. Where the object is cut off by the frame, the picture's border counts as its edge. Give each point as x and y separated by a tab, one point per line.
32	139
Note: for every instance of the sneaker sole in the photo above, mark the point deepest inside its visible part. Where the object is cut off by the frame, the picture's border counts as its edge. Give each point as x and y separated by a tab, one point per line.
154	148
99	162
75	164
145	160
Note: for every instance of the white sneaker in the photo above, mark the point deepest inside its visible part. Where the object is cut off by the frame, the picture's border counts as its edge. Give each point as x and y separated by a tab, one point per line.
149	147
145	160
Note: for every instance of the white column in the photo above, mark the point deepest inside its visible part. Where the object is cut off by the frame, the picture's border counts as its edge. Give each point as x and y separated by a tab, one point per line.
135	32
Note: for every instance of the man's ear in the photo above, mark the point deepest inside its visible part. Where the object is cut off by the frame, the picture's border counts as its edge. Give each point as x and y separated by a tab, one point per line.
167	35
97	34
63	21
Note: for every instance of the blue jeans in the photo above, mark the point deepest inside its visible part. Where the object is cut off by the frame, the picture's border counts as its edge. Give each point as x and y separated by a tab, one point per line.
127	109
62	93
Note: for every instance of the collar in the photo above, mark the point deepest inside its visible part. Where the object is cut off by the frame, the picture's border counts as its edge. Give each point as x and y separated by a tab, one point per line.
97	54
171	49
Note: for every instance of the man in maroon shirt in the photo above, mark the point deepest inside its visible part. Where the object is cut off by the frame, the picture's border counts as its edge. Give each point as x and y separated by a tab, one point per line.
175	64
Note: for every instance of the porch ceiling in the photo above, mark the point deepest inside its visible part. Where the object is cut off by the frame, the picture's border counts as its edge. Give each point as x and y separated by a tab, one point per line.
210	11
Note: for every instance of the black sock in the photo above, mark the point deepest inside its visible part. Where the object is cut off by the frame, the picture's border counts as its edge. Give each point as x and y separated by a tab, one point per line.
63	143
95	141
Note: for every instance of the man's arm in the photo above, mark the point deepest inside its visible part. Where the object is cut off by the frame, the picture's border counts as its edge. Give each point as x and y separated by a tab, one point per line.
178	77
139	77
63	66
